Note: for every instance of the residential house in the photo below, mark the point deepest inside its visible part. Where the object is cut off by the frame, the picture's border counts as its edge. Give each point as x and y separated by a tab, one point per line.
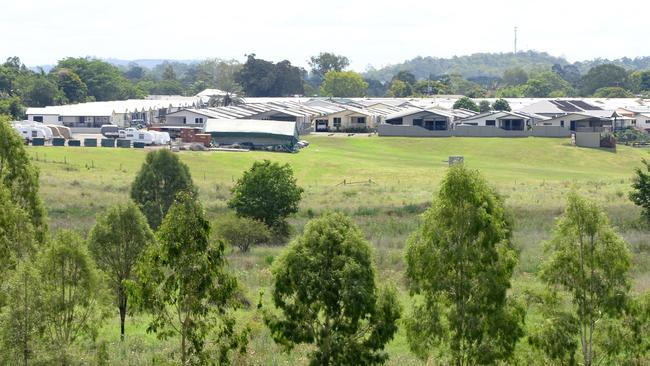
435	120
348	119
509	121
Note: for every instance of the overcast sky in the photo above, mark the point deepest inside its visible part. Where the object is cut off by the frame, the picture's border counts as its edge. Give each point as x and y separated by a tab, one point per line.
377	32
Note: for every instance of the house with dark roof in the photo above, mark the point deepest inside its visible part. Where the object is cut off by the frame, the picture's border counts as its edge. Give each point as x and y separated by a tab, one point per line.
435	120
557	107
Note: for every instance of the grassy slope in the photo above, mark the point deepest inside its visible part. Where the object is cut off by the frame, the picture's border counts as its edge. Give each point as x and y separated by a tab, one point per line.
532	173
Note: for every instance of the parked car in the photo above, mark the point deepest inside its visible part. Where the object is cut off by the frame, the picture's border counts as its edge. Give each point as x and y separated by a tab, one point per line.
110	131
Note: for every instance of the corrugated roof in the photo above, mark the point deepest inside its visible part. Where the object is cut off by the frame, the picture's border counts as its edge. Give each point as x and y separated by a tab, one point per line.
280	128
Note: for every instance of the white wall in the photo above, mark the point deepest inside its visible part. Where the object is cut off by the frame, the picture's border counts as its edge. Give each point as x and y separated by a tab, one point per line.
177	119
47	118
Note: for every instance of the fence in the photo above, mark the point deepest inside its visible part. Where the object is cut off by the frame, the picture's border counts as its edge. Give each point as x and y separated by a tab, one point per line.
470	131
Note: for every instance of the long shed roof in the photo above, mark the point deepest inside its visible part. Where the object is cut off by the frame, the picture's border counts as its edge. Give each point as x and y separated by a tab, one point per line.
279	128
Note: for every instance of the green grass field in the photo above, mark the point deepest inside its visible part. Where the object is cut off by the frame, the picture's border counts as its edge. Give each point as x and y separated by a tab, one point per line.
533	174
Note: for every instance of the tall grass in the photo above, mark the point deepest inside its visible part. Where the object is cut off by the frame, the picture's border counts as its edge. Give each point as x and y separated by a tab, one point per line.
533	175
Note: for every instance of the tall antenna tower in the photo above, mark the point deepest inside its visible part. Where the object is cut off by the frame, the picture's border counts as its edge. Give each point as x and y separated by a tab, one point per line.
515	40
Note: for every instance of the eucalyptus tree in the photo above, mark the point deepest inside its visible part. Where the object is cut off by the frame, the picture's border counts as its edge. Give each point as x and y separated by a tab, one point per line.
459	267
116	242
589	262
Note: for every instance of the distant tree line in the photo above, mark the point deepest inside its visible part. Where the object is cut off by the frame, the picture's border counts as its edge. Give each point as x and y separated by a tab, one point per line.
526	74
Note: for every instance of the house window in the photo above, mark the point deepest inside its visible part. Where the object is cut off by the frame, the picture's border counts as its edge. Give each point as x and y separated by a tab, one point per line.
60	119
198	120
38	118
361	119
417	122
490	123
561	123
184	120
337	121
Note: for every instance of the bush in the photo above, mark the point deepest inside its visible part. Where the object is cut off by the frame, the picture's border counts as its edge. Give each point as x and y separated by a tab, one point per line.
242	232
267	192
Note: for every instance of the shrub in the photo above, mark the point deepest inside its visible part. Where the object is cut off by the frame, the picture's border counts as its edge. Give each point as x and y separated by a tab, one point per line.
242	232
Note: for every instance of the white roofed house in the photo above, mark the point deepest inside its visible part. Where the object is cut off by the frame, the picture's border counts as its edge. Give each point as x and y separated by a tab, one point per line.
639	116
509	121
579	121
351	119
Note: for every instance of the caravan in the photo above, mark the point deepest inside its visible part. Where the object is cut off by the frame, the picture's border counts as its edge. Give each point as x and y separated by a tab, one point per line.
29	131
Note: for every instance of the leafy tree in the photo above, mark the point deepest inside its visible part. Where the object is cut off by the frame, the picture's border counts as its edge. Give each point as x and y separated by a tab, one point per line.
612	92
103	80
38	91
135	72
325	62
242	232
20	177
12	107
429	87
74	89
640	194
459	266
511	92
16	235
501	105
183	282
555	337
399	89
267	192
376	88
324	285
514	76
644	84
602	76
546	84
484	106
162	175
289	80
71	292
405	77
466	103
590	262
256	77
116	242
220	74
570	73
624	340
23	317
168	74
261	78
344	84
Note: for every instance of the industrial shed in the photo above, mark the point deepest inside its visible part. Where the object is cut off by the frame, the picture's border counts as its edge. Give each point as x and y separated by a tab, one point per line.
257	133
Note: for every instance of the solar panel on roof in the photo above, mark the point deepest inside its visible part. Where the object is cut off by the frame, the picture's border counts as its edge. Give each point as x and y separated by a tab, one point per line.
565	106
585	106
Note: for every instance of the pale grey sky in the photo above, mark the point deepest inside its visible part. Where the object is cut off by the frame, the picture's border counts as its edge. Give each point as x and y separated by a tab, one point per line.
377	32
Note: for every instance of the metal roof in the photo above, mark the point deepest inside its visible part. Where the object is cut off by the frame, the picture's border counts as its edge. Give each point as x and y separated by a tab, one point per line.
279	128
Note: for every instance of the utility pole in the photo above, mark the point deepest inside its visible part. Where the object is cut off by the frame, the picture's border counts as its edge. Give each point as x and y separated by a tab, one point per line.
515	40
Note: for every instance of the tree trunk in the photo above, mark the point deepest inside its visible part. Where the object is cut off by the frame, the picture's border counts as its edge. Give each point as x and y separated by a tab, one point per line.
122	306
183	352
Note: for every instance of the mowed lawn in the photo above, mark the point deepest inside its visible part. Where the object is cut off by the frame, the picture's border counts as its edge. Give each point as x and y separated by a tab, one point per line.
395	179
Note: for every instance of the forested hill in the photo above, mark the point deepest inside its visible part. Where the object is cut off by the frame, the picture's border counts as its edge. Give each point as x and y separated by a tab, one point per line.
492	65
